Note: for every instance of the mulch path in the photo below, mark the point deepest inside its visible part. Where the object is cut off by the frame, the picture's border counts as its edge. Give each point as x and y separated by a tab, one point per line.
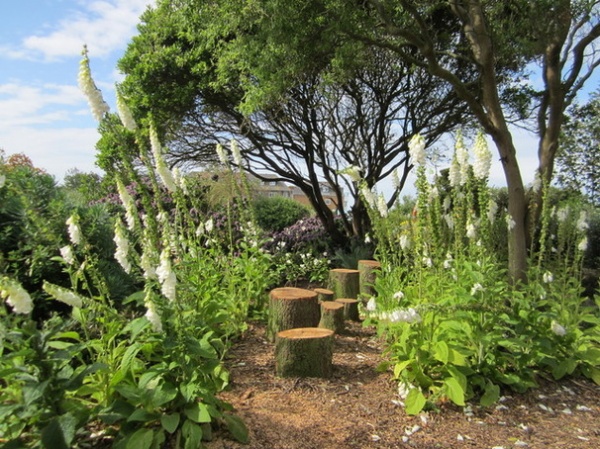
359	408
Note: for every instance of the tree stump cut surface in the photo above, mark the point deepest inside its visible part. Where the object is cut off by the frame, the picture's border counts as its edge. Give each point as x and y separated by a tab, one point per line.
367	275
290	308
324	294
304	352
344	282
332	316
350	308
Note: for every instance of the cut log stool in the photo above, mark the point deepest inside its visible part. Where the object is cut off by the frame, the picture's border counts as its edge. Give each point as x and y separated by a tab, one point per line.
291	307
344	282
304	352
332	316
350	308
324	294
367	275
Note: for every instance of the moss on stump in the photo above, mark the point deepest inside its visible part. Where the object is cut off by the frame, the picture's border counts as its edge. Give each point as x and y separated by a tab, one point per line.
291	307
332	316
304	352
344	282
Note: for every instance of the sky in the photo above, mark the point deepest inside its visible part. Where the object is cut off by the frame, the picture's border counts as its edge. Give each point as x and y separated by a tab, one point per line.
42	111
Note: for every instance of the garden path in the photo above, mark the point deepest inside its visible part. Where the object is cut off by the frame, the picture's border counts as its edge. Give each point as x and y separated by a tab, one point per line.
358	407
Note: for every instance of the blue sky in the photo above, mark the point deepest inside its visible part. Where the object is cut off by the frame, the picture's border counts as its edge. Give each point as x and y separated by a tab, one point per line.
42	112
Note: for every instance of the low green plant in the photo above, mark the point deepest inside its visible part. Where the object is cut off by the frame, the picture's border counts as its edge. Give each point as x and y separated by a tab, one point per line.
456	328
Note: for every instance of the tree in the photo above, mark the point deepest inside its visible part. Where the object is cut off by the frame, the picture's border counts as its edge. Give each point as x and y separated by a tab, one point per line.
313	131
578	159
270	41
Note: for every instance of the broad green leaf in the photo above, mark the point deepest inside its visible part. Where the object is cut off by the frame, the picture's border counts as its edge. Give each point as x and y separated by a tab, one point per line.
415	401
198	412
129	356
441	352
141	415
170	422
192	433
237	428
454	391
401	366
59	344
490	395
565	367
457	358
59	432
164	393
141	439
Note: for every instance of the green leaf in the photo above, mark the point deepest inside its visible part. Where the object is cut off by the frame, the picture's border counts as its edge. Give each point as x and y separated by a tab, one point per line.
238	429
164	393
565	367
401	366
198	412
141	439
59	432
142	415
192	433
129	356
455	391
170	422
415	401
59	344
490	395
441	352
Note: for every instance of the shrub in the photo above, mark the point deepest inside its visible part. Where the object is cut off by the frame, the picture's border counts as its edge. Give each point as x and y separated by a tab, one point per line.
273	214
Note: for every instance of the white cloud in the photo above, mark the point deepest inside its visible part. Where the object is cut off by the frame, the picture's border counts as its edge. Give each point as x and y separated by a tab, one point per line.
54	150
102	24
22	104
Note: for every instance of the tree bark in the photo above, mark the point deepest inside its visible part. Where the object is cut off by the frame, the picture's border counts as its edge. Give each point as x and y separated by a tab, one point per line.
290	308
367	275
344	282
350	308
332	316
304	352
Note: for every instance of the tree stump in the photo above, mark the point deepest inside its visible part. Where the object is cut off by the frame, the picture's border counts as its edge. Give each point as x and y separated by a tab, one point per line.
344	282
332	316
323	294
366	279
350	308
304	352
291	307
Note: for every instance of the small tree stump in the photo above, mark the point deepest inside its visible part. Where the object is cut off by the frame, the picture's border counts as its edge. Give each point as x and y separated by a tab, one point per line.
367	275
332	316
324	294
350	308
304	352
291	307
344	282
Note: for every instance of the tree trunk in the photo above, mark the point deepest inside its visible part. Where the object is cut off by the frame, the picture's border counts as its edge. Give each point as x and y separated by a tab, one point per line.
344	282
367	275
290	308
350	308
332	316
304	352
324	294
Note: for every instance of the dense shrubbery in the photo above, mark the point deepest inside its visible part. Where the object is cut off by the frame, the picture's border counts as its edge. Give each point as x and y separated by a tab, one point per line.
456	327
273	214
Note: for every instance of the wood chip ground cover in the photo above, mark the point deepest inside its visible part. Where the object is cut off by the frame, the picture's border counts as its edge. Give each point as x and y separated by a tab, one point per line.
359	407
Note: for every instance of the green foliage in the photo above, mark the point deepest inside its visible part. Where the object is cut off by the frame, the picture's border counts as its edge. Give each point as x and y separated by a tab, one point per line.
276	213
456	328
578	156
